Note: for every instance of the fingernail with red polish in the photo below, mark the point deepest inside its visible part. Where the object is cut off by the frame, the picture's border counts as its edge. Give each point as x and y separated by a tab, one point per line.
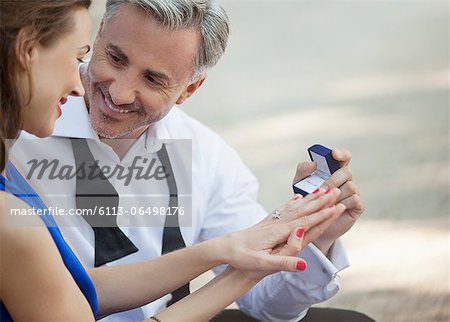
330	206
301	266
328	191
300	232
316	191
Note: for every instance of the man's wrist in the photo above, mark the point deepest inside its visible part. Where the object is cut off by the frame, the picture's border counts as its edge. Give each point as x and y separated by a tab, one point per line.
324	246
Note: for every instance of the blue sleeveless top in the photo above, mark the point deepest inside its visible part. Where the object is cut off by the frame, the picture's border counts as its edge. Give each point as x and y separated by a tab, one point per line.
19	187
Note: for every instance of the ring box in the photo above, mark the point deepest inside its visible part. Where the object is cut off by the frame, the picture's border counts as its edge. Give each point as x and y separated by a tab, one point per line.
326	166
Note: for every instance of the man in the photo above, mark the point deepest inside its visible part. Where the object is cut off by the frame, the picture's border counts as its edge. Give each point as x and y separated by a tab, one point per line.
149	55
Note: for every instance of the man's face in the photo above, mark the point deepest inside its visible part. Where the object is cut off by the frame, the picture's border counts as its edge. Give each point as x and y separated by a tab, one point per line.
137	72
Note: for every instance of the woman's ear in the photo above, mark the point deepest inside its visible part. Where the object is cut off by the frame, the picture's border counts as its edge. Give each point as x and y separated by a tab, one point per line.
25	47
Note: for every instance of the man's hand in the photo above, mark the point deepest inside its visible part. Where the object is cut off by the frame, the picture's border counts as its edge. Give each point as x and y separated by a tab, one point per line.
273	244
342	179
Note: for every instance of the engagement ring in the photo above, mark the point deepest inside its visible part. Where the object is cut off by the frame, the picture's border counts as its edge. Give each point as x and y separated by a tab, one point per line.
276	214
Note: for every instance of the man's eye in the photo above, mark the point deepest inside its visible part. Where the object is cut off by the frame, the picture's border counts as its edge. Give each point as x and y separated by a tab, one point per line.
150	79
114	58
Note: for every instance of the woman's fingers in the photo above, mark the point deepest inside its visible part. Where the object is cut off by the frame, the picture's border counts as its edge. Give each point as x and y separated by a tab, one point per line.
312	227
307	215
317	217
309	204
276	263
300	206
283	257
322	209
297	200
294	244
328	197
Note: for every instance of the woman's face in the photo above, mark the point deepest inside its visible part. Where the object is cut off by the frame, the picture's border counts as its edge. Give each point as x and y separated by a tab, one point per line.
54	75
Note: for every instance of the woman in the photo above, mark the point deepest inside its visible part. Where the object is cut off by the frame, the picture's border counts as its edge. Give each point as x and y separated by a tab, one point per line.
41	278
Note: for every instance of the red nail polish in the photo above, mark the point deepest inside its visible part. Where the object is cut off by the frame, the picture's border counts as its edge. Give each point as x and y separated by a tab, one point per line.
296	197
330	206
316	191
301	265
300	232
328	191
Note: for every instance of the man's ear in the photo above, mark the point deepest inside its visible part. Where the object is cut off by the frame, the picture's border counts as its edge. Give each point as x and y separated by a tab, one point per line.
100	29
25	47
190	89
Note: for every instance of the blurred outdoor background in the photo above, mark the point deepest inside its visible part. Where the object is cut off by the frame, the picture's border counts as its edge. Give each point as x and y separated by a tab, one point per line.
372	76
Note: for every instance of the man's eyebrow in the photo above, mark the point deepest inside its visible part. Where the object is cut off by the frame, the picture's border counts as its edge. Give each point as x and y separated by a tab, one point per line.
159	75
153	73
118	52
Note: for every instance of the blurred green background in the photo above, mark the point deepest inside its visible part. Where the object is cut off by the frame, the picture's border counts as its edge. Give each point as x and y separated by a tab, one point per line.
371	76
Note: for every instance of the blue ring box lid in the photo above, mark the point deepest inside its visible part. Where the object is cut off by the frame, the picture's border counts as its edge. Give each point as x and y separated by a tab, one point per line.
316	151
326	166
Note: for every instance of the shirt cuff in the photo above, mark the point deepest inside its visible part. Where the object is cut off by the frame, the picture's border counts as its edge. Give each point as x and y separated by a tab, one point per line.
337	255
320	269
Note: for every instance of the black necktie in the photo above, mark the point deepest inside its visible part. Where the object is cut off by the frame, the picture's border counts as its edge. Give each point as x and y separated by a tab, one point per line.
93	192
172	238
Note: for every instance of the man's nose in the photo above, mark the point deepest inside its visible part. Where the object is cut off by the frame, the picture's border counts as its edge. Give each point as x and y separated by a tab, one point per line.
122	91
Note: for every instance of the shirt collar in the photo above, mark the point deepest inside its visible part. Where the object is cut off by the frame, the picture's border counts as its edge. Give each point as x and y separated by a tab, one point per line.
158	133
74	121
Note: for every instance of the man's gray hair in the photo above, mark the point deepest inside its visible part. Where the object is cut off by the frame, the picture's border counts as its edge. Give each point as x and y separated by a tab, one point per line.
207	16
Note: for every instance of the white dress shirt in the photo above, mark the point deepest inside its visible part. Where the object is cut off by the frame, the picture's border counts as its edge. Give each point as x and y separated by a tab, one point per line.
223	200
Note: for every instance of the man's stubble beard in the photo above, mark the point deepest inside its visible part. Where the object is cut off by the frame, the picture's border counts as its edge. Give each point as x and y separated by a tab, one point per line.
104	130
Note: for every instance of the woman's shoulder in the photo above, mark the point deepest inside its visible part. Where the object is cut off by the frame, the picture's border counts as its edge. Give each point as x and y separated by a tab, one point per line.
33	272
15	213
21	229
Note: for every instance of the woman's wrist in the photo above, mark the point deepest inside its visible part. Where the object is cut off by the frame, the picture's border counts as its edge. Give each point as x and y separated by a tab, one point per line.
215	251
228	249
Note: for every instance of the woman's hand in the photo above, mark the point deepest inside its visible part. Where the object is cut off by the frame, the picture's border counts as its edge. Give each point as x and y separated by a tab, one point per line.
273	244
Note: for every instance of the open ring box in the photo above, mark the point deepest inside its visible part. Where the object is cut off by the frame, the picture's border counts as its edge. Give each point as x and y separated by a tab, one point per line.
326	166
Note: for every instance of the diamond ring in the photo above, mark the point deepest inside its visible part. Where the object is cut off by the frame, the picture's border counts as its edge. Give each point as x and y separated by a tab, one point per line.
276	214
